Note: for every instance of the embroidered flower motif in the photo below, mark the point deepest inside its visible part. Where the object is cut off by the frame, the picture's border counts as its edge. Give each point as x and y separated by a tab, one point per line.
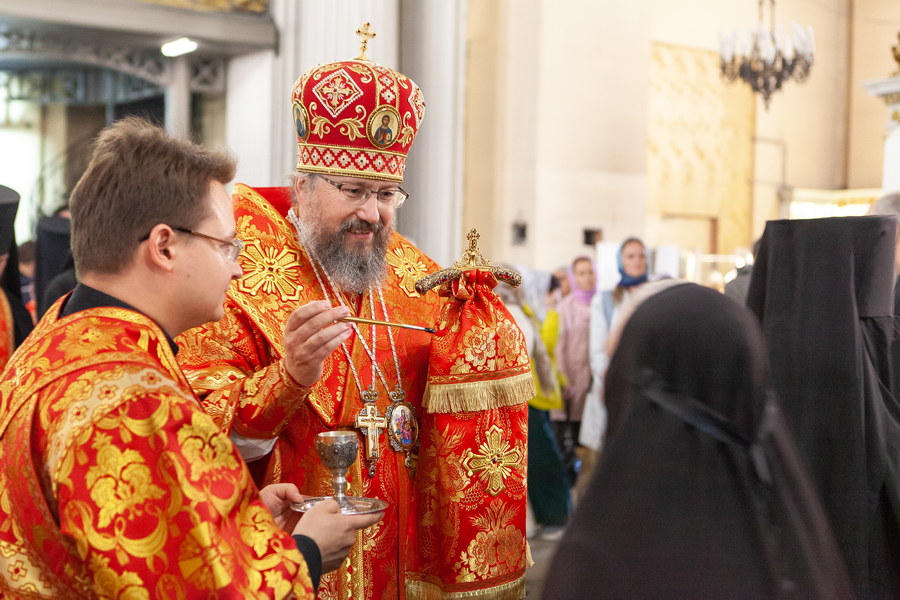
407	267
207	450
17	570
119	482
271	269
150	379
509	342
107	392
480	346
482	554
88	338
498	548
115	584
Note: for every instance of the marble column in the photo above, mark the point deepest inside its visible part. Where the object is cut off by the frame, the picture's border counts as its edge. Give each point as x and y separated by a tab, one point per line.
888	89
178	98
432	53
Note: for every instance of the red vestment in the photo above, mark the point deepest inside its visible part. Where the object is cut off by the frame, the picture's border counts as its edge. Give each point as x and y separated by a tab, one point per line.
7	330
115	484
443	532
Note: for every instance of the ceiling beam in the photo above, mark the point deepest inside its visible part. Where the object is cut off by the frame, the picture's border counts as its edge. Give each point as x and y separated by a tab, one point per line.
240	31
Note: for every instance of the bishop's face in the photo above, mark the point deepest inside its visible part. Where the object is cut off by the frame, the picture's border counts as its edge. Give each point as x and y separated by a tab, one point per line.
349	238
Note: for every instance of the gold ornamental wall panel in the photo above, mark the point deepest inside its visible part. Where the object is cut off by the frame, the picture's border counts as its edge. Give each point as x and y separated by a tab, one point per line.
700	145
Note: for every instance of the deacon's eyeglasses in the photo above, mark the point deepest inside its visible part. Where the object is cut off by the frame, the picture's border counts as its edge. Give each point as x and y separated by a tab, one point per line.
231	248
356	194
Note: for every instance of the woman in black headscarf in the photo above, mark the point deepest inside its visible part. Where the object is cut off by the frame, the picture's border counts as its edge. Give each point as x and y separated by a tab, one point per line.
699	492
823	291
17	321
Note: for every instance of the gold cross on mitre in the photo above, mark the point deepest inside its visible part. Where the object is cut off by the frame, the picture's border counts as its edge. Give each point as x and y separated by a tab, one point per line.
365	34
371	423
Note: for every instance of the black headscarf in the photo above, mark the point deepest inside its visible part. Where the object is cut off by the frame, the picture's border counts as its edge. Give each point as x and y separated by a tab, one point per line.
822	289
52	256
10	279
699	492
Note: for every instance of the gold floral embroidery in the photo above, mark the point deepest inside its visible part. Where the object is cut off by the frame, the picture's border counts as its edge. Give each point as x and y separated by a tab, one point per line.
126	585
408	267
119	482
270	269
257	531
496	549
494	463
480	347
86	338
509	346
206	448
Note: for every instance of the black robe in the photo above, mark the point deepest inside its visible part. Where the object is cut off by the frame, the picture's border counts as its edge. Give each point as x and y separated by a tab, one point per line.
10	280
699	492
822	289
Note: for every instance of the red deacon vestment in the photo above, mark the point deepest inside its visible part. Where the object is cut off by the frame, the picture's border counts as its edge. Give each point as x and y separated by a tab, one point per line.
115	484
449	531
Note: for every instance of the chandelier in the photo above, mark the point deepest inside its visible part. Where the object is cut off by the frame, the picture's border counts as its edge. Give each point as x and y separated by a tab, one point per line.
767	58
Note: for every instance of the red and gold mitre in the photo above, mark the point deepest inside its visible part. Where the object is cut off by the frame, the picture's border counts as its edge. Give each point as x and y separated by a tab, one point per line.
479	357
356	118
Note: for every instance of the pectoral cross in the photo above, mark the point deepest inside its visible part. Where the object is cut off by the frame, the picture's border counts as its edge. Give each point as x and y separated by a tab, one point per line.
365	34
371	423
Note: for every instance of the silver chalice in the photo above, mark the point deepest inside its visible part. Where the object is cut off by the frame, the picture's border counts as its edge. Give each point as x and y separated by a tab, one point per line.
338	450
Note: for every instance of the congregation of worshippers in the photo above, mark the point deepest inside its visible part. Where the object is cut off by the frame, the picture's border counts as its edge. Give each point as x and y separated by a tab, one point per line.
211	389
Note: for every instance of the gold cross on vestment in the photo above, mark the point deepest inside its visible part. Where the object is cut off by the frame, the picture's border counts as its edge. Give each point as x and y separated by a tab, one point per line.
495	462
371	423
365	34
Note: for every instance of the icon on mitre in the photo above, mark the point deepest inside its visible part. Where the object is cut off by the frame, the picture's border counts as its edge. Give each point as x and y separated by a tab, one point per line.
479	358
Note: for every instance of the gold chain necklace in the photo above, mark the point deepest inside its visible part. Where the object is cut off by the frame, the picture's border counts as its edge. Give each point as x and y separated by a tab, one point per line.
399	419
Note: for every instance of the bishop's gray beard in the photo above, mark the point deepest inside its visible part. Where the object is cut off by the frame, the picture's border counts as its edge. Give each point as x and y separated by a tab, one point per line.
352	270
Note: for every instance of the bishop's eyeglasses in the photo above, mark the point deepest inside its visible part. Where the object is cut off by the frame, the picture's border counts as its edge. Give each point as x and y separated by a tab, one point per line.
231	248
357	194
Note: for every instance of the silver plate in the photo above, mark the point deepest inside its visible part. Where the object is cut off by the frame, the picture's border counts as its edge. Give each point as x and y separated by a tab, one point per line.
361	506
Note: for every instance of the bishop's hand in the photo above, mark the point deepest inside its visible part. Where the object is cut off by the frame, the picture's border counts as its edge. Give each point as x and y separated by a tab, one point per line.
310	335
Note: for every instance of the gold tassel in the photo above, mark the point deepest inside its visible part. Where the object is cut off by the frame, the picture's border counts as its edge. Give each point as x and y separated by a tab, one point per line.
423	590
479	395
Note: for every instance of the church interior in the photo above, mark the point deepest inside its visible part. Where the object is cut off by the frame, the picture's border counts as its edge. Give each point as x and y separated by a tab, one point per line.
554	128
551	126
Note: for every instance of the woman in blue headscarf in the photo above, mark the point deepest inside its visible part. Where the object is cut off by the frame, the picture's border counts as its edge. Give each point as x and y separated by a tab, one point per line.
632	260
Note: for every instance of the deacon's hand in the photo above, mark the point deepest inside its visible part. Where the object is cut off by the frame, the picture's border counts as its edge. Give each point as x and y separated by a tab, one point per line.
333	532
310	335
278	498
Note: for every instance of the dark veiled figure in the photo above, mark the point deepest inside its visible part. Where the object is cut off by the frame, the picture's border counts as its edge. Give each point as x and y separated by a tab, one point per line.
53	258
822	289
699	493
9	276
